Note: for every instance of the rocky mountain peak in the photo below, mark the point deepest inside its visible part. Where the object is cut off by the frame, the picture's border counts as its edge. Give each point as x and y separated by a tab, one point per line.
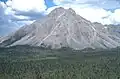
62	28
72	11
58	11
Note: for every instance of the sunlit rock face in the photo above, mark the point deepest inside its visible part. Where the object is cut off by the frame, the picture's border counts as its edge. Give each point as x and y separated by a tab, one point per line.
63	28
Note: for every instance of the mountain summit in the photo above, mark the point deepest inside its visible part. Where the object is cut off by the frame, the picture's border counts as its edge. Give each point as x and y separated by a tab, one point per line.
62	28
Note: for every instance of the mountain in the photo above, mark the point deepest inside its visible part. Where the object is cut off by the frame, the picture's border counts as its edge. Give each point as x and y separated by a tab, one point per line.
114	29
0	38
63	28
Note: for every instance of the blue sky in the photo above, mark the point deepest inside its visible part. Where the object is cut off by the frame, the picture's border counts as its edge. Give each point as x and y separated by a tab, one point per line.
16	13
49	3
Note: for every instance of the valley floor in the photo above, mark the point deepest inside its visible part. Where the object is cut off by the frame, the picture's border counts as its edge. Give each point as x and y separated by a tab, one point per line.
24	62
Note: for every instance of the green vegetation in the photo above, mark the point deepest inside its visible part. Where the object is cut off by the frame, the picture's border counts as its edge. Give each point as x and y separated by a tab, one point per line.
25	62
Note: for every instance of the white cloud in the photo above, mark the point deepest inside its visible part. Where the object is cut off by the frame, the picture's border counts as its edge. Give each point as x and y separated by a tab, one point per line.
21	17
59	2
20	8
10	21
94	14
106	4
115	17
6	26
2	5
22	23
27	5
84	8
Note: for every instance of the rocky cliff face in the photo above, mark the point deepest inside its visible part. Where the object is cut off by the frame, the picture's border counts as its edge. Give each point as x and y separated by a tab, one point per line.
63	28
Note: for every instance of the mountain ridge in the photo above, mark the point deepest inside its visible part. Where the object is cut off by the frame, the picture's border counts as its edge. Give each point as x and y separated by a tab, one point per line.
63	28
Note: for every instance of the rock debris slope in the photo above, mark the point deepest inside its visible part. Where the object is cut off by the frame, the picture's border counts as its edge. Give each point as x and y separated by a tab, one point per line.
62	28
